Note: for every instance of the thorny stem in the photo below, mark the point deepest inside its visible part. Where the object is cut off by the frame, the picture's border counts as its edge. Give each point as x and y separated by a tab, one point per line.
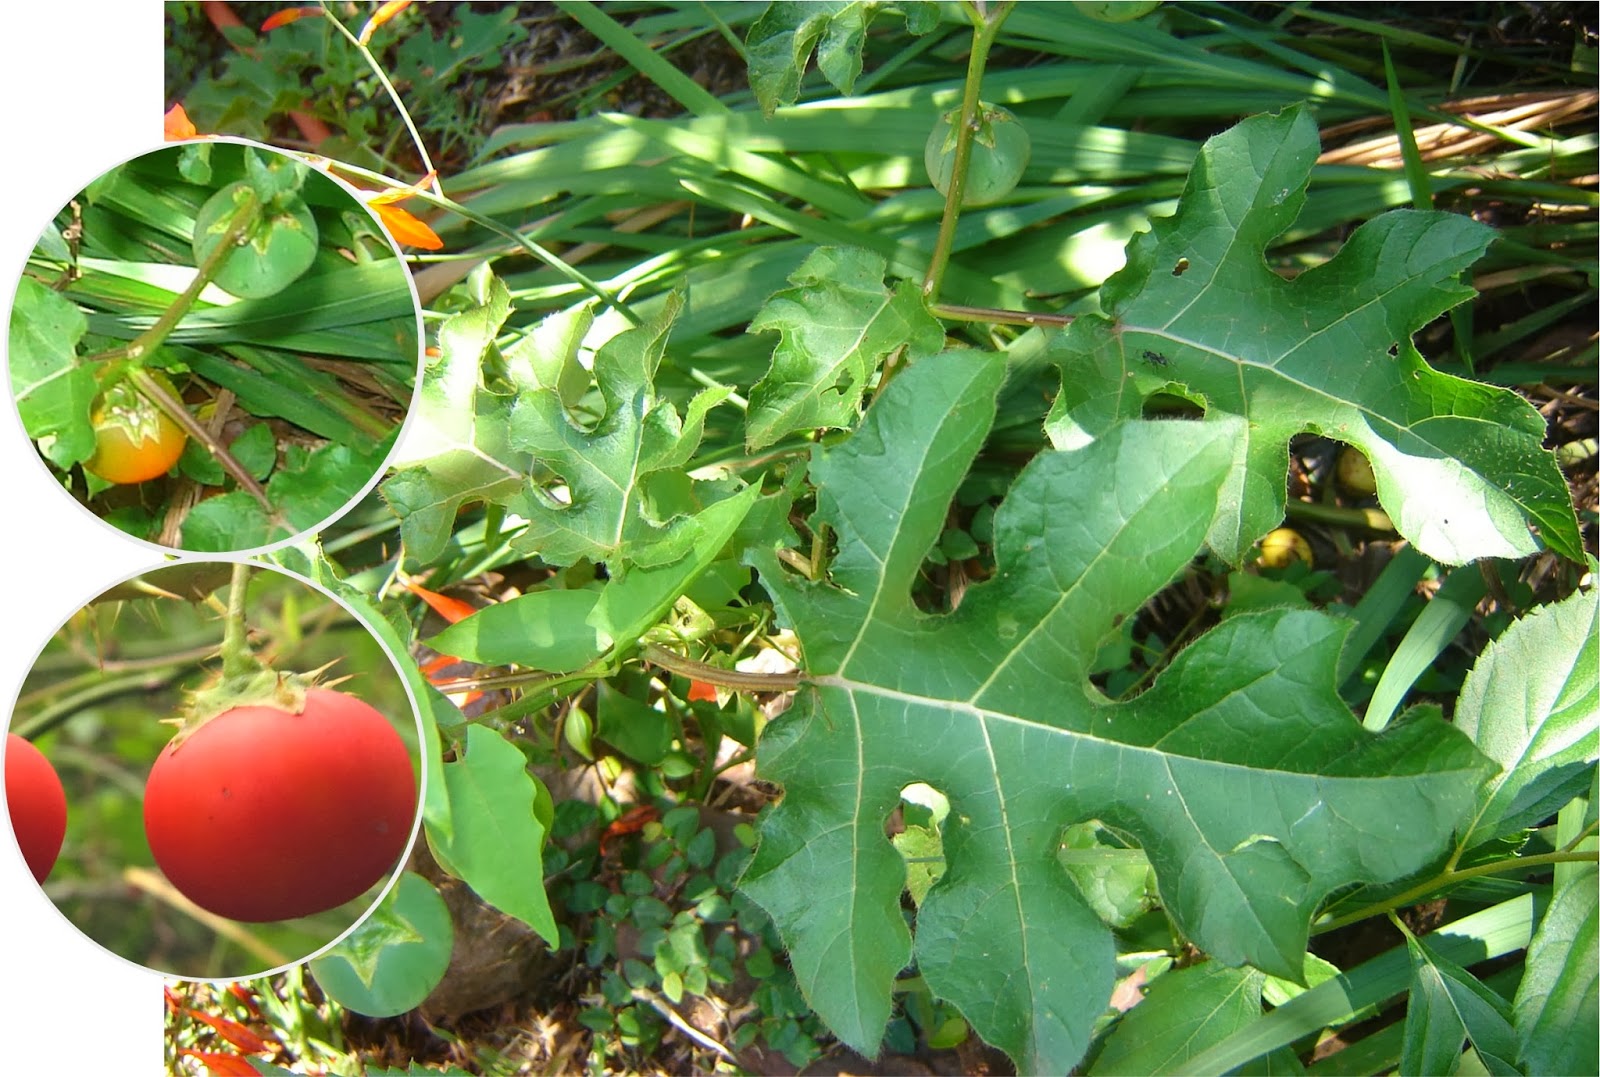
985	28
1450	878
725	678
237	661
153	391
996	316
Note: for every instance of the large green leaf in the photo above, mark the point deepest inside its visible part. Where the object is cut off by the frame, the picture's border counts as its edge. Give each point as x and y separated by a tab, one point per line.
1252	788
1459	465
838	323
1532	704
610	507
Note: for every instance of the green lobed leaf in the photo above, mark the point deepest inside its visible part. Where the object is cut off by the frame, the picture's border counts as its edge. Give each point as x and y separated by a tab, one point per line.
1555	1005
781	41
607	510
1460	465
52	391
1184	1011
1448	1006
1249	784
838	322
496	844
456	450
1532	704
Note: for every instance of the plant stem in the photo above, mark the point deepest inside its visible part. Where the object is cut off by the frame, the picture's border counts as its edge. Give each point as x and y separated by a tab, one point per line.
153	391
725	678
245	217
1371	519
985	28
994	315
237	661
394	95
1450	878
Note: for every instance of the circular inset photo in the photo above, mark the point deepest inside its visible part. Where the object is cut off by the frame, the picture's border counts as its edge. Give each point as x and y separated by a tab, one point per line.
214	346
212	769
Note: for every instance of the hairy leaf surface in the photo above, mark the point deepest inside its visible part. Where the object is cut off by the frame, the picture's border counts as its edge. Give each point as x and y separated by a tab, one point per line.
1252	788
1532	704
1460	465
838	322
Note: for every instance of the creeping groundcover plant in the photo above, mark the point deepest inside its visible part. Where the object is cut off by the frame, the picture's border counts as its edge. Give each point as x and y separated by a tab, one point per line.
813	622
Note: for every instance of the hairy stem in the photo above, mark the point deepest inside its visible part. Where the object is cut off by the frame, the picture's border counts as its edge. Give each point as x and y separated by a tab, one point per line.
1450	878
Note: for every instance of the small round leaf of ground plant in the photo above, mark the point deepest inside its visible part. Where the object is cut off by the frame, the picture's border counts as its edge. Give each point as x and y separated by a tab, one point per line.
275	252
262	814
37	805
1000	151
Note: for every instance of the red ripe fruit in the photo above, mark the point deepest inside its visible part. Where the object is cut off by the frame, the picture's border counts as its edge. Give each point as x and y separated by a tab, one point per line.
260	814
37	803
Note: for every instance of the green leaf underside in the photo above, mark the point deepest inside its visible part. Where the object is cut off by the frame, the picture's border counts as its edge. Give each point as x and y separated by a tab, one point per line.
781	41
1532	704
1459	465
838	322
1448	1006
1250	785
1556	1001
396	957
608	511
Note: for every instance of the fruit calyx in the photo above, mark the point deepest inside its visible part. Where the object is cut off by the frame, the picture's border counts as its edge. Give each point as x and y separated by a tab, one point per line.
254	687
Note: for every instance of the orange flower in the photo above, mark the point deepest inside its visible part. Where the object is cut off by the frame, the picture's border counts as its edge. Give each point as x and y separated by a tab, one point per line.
404	227
702	690
386	11
176	125
288	15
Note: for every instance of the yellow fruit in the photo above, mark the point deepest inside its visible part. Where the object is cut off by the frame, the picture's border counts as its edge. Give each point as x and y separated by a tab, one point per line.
1281	547
1354	472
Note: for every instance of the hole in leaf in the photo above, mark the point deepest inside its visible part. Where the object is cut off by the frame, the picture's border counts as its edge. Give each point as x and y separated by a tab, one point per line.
1109	870
915	828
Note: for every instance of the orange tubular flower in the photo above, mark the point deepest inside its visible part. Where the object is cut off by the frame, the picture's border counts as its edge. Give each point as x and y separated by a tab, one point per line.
288	15
404	227
385	12
176	125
